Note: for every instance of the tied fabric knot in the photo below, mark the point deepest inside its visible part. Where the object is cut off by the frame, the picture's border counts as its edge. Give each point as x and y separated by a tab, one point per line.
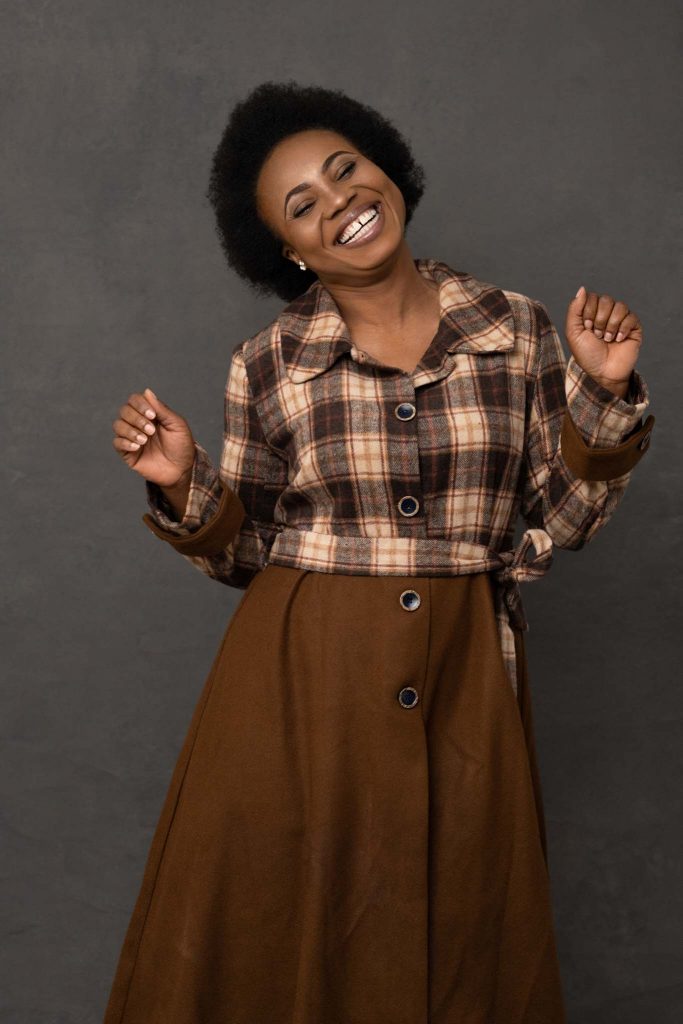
515	569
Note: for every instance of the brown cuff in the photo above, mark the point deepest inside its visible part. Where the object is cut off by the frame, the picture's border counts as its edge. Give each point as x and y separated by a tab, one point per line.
212	536
588	463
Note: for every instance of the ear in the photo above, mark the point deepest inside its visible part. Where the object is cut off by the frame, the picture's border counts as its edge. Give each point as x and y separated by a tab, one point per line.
289	254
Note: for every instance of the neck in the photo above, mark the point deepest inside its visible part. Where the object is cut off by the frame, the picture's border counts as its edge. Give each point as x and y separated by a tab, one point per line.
389	298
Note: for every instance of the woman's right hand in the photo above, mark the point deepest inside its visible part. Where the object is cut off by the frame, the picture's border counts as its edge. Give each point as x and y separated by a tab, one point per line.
160	446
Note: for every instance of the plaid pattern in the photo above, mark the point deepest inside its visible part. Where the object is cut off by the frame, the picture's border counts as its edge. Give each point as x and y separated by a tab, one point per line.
323	444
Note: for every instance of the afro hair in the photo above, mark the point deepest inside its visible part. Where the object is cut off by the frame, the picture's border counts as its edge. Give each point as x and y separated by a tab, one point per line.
269	113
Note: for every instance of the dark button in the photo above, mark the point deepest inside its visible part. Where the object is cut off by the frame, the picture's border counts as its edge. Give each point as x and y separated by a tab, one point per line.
645	440
405	411
408	697
410	600
408	506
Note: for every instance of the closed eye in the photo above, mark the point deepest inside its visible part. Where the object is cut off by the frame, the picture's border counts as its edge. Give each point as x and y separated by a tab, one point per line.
345	170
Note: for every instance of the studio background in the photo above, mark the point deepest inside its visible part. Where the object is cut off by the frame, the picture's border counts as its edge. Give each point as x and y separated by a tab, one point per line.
547	133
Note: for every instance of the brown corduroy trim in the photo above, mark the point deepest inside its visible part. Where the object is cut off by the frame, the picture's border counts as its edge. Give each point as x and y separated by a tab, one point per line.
588	463
212	536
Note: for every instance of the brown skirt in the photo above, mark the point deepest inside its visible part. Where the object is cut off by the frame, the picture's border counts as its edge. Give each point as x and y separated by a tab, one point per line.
328	853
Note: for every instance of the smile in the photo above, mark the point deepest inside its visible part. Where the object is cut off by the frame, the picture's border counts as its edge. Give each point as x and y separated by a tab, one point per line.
364	227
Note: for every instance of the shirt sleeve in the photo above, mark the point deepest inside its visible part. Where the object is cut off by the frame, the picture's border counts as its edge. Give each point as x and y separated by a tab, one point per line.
582	442
228	525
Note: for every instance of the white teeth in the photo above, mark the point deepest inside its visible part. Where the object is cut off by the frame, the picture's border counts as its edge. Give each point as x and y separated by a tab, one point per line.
356	225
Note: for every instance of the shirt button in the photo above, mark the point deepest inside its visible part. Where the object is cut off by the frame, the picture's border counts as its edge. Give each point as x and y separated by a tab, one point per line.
410	600
405	411
645	440
408	505
408	696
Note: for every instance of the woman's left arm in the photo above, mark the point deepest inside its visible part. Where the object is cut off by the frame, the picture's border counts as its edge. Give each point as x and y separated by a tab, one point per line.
585	432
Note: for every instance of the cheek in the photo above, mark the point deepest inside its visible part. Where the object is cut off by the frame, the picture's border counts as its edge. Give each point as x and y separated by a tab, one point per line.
396	198
306	236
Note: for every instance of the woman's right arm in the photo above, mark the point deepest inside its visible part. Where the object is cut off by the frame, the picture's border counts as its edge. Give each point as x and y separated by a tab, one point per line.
227	523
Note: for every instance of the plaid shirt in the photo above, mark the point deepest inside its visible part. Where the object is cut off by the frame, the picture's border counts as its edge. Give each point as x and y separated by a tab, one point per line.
336	462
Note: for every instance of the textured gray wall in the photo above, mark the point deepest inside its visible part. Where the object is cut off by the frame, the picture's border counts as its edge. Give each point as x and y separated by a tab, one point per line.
547	133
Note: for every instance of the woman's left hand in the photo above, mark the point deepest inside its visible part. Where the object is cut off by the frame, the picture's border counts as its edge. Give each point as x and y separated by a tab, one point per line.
604	337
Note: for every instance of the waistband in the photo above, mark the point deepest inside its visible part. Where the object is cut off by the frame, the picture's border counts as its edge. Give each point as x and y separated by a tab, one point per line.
419	556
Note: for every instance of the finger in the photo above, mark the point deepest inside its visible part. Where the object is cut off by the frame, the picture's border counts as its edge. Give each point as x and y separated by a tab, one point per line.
136	419
590	309
141	404
614	321
605	305
628	324
123	446
124	429
164	413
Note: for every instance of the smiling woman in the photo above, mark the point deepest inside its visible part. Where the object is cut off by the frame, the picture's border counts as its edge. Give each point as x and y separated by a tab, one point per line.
354	830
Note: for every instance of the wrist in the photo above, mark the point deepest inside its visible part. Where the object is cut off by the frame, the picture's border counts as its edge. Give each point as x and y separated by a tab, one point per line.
183	481
178	489
617	387
177	495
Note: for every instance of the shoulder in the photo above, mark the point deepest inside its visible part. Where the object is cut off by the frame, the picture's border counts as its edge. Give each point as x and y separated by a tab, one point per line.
256	344
251	349
528	315
521	316
254	365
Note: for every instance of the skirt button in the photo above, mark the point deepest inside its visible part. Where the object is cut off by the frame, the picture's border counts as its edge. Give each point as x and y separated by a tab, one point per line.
410	600
408	696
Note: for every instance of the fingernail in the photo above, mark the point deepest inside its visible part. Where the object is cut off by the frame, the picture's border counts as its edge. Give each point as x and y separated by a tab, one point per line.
620	336
150	413
608	336
578	293
597	332
588	323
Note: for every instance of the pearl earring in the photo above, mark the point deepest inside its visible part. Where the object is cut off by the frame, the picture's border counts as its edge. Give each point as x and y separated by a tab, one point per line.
302	265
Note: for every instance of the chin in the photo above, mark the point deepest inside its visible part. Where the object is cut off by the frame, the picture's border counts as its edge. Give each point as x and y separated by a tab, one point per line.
375	256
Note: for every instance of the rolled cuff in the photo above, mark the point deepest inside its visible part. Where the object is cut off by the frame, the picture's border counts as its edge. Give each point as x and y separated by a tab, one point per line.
591	463
202	484
214	535
602	418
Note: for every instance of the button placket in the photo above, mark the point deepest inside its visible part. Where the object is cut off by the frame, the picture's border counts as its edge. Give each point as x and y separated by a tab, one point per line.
406	410
410	601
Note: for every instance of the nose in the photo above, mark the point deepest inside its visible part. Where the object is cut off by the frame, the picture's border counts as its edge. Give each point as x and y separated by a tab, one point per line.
339	201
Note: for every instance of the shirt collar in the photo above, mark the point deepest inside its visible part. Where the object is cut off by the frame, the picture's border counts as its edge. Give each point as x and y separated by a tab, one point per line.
476	317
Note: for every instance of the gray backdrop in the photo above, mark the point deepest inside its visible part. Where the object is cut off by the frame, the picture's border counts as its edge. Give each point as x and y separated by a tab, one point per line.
547	134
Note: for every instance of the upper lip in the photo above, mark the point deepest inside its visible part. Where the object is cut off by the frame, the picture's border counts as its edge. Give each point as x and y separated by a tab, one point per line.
352	214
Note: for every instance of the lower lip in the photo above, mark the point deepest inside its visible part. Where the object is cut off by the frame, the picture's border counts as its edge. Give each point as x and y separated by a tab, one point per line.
367	234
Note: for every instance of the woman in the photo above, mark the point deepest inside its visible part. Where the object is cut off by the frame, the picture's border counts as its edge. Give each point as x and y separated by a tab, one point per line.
354	828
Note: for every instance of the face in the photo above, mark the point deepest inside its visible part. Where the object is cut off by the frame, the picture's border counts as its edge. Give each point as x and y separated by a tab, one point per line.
312	188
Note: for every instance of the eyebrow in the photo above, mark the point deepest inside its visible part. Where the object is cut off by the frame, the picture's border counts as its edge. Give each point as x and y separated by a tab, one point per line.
304	185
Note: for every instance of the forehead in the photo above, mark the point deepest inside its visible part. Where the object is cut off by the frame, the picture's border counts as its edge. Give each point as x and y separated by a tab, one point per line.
300	154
